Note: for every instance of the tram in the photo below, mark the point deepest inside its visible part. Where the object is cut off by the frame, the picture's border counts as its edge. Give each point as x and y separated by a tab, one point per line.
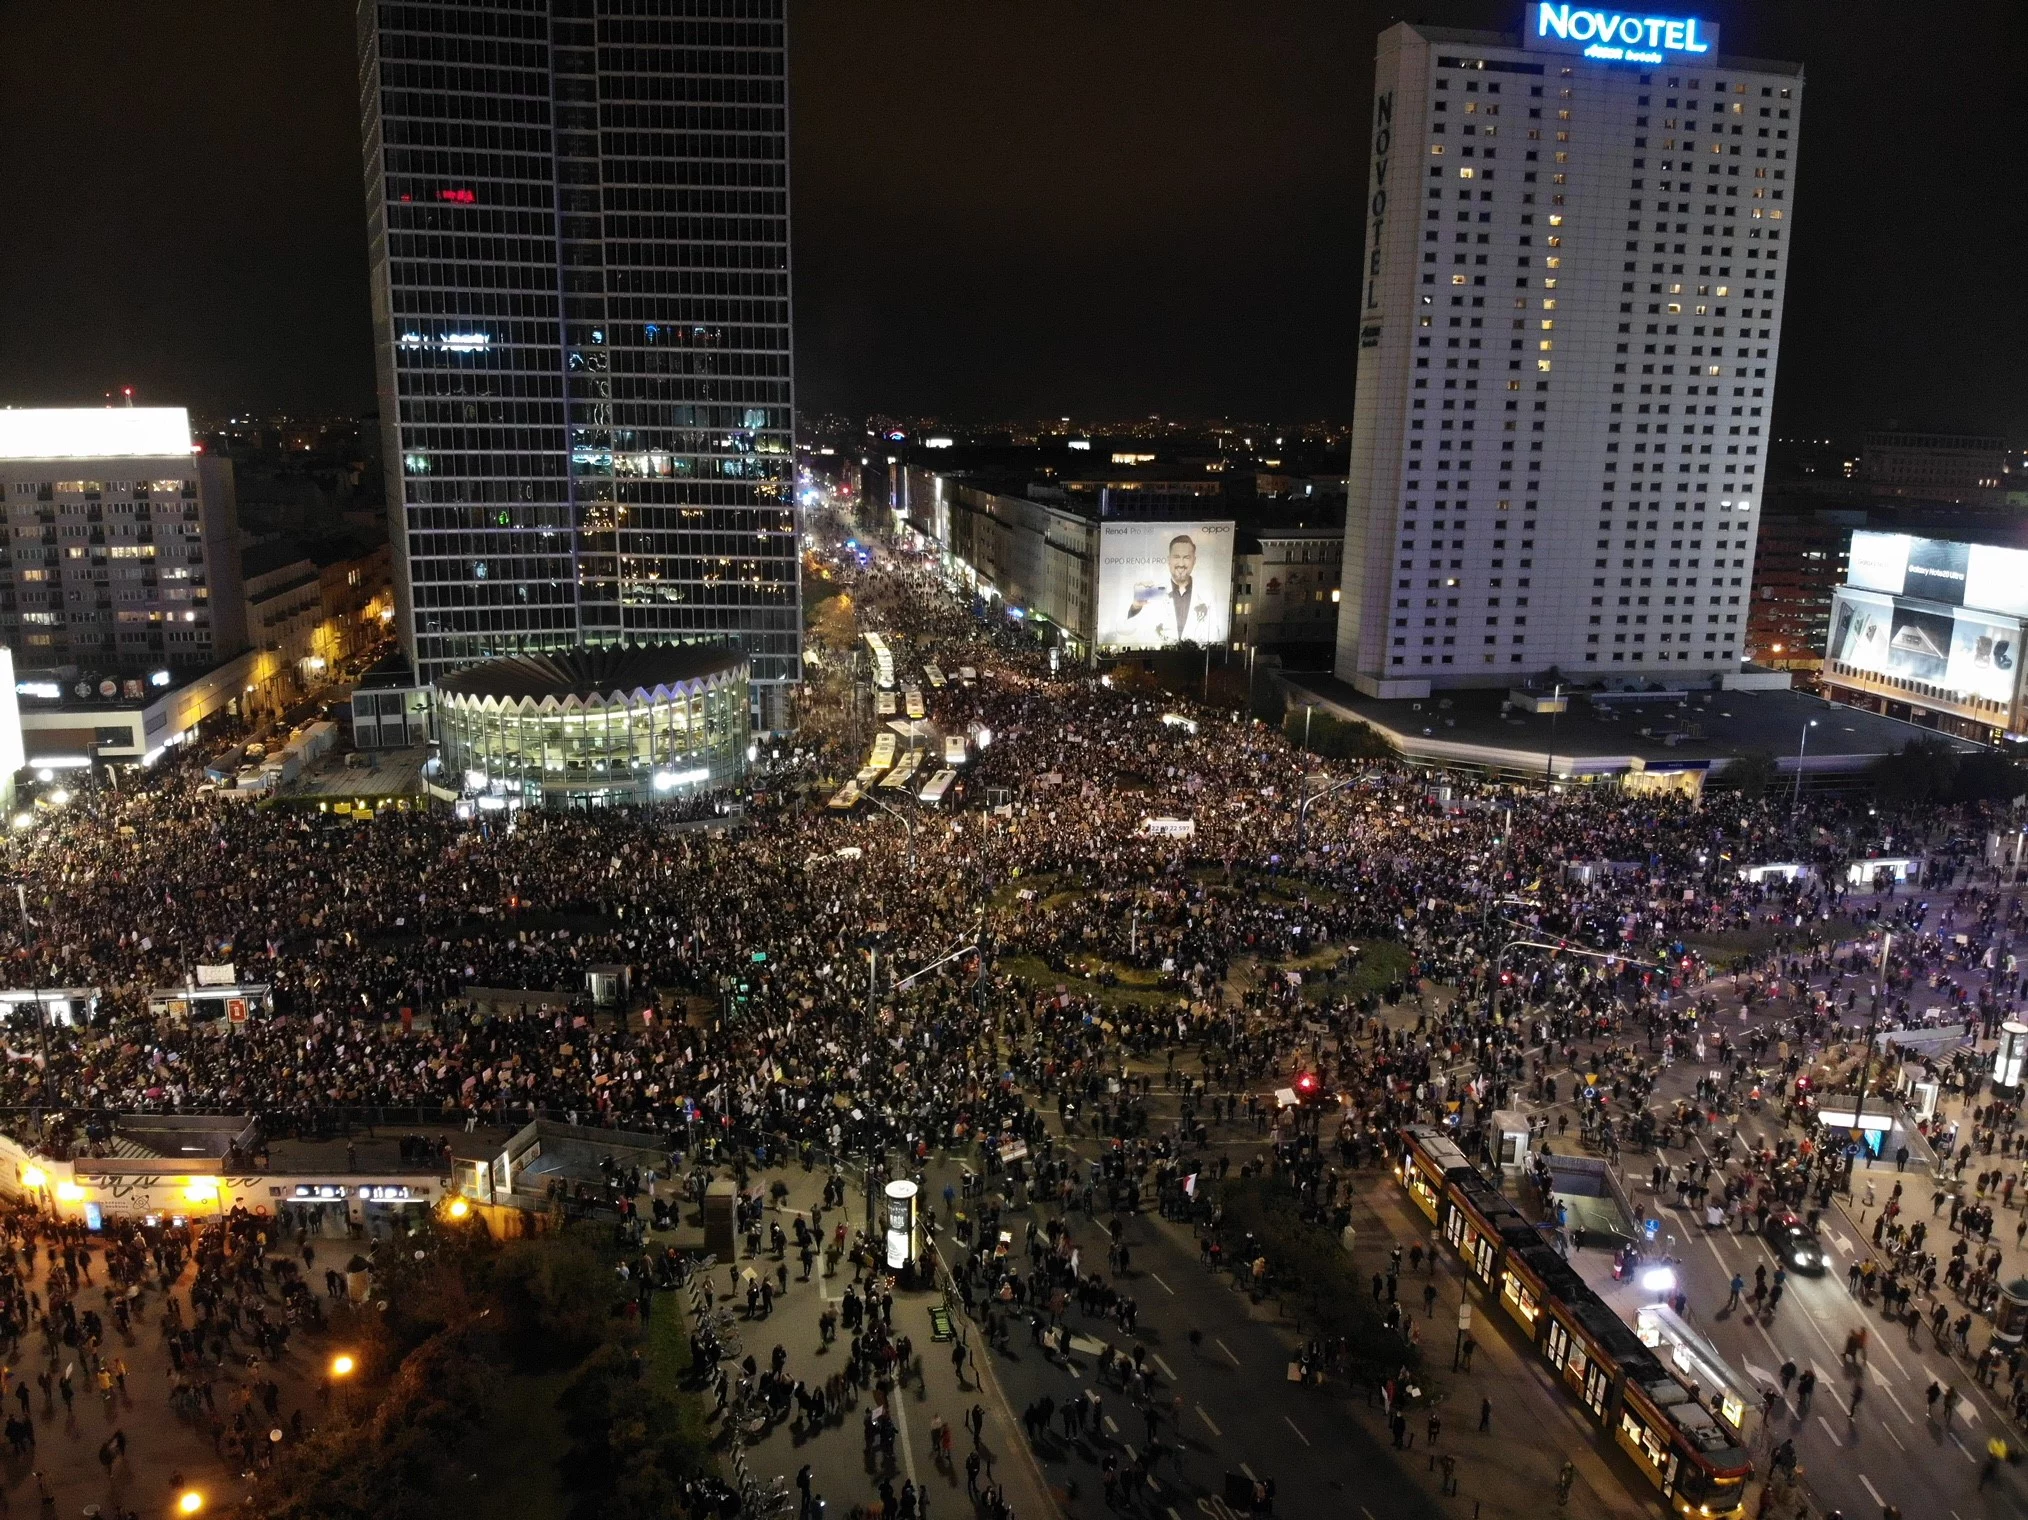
1680	1446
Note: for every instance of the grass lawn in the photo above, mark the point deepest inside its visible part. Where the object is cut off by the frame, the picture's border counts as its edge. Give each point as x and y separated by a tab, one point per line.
1381	963
666	1350
1137	988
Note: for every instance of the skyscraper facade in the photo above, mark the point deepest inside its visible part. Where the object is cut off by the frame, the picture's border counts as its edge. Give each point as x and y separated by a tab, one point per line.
579	232
1570	312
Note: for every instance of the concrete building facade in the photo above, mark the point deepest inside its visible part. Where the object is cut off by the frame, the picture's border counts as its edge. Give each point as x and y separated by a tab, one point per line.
120	558
579	246
1570	314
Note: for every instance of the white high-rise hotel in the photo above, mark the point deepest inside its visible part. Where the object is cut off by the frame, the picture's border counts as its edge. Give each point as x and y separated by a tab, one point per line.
1570	313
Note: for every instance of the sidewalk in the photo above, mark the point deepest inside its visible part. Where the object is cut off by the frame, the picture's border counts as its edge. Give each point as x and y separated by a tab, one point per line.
845	1470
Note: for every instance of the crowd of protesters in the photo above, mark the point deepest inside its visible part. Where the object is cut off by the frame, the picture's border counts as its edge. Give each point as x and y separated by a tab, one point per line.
802	929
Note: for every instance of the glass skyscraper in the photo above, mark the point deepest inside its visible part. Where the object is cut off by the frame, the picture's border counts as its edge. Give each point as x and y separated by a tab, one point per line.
579	223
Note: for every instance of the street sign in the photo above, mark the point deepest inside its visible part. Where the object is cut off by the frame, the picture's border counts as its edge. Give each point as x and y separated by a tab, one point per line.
1464	1316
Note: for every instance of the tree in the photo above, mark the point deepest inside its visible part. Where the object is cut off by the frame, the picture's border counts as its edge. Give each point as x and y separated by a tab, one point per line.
1753	773
1926	770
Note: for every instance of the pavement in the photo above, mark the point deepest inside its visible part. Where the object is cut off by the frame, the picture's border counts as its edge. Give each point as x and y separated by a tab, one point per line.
845	1470
160	1441
1895	1450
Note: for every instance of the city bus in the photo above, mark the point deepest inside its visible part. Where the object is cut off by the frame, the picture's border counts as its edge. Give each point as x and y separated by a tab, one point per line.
899	777
954	749
912	701
938	784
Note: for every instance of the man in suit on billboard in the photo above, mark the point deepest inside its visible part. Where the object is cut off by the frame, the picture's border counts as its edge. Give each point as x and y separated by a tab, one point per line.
1174	612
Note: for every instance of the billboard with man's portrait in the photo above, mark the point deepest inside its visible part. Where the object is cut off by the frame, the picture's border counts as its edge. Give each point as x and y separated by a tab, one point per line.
1164	583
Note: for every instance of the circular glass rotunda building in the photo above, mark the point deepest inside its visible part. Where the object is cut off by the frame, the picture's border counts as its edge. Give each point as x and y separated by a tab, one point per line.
598	727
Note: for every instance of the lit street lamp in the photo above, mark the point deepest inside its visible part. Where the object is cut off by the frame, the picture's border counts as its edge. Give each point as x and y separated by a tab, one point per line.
1801	745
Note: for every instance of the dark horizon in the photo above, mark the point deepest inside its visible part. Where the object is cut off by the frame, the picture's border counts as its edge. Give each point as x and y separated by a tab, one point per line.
999	213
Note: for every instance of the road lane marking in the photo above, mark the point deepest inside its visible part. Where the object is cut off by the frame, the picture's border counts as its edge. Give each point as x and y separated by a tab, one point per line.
1167	1371
1896	1403
1872	1490
1209	1421
1888	1352
1960	1445
1248	1471
1225	1348
1292	1425
1891	1435
1829	1431
1165	1287
907	1446
1112	1425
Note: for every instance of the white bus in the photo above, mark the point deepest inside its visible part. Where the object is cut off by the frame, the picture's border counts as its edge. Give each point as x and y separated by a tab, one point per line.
912	701
883	659
884	704
938	784
954	749
899	777
883	750
846	797
936	677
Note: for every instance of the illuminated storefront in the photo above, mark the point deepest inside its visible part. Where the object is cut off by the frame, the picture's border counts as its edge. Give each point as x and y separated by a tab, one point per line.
596	727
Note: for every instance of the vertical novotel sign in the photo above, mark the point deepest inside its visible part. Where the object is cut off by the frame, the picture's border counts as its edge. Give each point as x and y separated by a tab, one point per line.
1376	205
1617	36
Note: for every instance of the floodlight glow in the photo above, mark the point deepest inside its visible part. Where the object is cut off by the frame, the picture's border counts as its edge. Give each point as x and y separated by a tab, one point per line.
1658	1280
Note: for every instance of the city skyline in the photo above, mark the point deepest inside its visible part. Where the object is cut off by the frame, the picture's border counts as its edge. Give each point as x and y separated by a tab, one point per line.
1139	248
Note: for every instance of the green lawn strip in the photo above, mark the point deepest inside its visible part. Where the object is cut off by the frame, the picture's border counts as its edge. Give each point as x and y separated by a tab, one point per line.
666	1351
1040	977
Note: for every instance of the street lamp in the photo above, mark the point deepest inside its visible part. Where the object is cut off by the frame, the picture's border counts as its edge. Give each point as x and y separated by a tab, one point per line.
189	1502
907	822
1303	807
344	1364
1801	745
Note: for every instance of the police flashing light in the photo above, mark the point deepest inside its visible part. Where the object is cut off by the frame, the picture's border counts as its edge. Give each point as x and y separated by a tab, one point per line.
1618	36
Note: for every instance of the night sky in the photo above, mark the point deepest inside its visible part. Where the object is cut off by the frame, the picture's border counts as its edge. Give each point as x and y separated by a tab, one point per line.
1003	207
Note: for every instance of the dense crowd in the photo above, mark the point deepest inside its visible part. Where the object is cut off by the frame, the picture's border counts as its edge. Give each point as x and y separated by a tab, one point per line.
804	925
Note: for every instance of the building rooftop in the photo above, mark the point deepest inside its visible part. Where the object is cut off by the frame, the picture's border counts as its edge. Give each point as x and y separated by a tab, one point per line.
85	432
264	559
618	671
1688	730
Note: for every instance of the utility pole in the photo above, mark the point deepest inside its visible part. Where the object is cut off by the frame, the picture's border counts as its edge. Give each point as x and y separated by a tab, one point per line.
1866	1052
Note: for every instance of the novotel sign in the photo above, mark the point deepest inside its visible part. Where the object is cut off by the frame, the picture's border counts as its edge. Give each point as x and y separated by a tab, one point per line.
1618	36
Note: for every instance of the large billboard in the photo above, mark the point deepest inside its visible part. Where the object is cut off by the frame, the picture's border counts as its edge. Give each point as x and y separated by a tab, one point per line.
1984	576
1163	583
1972	653
1861	625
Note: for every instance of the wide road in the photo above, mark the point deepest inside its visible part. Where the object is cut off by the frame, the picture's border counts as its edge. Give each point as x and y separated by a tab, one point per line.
1894	1451
1226	1405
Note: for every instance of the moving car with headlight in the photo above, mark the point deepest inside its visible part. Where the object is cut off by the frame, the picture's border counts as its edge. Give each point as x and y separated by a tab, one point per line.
1795	1243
